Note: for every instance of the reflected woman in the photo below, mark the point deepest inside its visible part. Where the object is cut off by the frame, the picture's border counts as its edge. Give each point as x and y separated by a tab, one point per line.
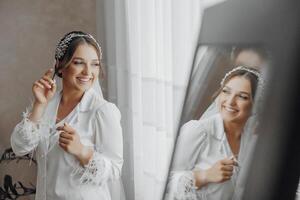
75	133
206	164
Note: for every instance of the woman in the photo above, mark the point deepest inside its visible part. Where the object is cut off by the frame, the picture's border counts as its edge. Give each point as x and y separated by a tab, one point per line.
206	163
76	133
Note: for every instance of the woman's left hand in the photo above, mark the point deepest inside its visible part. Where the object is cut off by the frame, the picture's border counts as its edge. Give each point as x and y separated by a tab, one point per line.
69	140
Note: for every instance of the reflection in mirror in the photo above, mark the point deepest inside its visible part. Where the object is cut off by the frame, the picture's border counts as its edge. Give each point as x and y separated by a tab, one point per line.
219	118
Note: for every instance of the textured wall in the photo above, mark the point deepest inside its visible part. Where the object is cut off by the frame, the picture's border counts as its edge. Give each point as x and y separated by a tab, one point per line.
29	32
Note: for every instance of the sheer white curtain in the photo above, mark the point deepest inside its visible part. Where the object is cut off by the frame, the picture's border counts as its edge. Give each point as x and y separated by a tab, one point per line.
149	52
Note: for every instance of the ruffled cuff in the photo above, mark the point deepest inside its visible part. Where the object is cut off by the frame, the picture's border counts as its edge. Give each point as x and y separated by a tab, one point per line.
182	186
28	130
97	171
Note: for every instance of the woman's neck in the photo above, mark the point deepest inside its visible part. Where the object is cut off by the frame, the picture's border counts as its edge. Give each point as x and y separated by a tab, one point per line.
234	130
233	133
71	96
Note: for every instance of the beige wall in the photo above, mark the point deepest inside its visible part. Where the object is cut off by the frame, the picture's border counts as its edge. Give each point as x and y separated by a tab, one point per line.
29	32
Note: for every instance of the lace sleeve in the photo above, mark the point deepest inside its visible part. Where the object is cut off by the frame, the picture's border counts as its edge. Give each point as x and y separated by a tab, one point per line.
25	136
98	171
107	160
182	186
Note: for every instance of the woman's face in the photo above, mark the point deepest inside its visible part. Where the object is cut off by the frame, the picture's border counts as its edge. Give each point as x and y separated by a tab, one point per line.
83	70
235	100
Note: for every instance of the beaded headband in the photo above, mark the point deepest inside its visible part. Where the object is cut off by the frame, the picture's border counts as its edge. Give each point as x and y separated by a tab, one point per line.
62	46
242	68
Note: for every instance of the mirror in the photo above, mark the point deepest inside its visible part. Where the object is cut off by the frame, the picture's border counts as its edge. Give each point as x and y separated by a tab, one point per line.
217	129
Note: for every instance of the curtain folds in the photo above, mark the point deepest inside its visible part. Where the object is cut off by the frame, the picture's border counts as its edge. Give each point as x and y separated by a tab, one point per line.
149	49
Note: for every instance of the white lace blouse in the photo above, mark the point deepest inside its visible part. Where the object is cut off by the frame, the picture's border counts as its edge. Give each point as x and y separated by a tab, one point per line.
200	145
60	175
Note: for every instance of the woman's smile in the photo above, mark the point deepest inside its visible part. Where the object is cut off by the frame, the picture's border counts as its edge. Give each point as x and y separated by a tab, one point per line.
230	109
84	79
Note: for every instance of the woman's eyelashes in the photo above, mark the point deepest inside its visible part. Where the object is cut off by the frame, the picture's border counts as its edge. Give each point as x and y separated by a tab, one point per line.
243	97
239	95
96	64
225	91
80	62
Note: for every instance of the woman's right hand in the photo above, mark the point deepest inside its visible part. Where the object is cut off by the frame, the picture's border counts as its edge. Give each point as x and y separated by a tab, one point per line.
221	171
44	89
